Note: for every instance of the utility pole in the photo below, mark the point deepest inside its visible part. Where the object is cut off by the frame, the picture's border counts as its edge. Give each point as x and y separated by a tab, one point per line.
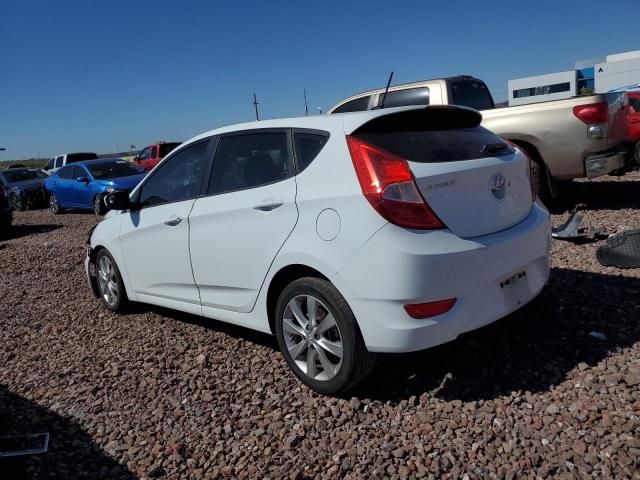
255	105
306	104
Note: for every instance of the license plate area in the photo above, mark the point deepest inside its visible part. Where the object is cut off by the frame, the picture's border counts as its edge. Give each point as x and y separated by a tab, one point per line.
515	288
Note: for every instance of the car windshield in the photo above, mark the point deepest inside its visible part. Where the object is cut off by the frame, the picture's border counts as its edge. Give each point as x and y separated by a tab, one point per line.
119	168
23	175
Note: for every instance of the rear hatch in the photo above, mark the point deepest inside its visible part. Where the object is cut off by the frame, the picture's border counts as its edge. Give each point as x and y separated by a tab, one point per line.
473	180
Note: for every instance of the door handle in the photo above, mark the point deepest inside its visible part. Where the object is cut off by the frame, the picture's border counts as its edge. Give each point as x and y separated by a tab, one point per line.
267	207
173	222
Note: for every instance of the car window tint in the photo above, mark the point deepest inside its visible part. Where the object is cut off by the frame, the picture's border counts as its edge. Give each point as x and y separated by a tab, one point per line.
144	154
404	98
50	163
357	105
58	162
471	93
154	152
78	172
248	161
66	172
178	179
307	147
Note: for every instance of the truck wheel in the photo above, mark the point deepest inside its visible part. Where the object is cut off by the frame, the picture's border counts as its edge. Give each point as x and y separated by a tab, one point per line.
541	183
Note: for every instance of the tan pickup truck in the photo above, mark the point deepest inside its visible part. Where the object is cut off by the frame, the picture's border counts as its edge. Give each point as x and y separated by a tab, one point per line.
573	138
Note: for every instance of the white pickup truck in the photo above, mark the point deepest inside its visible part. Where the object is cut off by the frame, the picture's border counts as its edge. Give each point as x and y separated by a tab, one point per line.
578	137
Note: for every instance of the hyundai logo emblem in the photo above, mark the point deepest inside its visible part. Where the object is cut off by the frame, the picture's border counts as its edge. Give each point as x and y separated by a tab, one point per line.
498	186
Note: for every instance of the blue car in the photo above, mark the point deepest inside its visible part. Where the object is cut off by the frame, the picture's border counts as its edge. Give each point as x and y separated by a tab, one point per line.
84	184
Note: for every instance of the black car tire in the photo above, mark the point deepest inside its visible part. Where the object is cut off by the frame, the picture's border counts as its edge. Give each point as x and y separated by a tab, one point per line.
98	205
119	301
356	362
16	202
54	205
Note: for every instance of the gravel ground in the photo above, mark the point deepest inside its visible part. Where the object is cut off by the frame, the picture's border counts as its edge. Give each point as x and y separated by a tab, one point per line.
160	394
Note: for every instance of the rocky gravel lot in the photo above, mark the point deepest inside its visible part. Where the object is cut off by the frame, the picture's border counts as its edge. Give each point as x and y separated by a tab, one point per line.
160	394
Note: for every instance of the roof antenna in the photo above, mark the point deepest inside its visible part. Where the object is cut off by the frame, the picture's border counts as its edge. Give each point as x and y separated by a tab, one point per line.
306	104
386	90
255	105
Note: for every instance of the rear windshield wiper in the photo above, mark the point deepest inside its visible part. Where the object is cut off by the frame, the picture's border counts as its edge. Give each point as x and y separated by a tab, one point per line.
494	148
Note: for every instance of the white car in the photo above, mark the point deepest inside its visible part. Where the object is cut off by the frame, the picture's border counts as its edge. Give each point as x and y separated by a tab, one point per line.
344	235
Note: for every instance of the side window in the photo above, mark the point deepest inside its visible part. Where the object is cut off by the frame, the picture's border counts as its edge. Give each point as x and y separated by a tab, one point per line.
79	171
307	147
50	164
357	105
145	154
248	161
154	152
59	161
66	172
177	179
404	98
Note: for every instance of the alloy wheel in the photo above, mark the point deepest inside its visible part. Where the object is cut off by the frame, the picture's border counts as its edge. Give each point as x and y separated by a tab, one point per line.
16	202
107	281
53	203
312	337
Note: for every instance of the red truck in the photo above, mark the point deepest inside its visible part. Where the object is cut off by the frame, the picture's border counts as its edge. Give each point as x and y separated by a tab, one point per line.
150	156
633	123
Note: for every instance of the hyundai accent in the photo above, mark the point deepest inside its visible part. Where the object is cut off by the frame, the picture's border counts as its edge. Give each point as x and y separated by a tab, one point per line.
343	235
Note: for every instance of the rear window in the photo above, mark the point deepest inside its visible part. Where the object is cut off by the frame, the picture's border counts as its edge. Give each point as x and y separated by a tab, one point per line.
471	93
440	145
357	105
166	148
404	98
79	157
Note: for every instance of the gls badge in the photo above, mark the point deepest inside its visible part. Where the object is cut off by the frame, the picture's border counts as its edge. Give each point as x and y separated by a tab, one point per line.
498	186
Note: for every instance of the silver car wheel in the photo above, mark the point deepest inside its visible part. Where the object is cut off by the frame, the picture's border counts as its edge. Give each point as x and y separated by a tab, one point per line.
107	281
312	337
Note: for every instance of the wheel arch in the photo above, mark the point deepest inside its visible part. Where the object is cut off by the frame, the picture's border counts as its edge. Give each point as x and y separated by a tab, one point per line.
535	155
280	280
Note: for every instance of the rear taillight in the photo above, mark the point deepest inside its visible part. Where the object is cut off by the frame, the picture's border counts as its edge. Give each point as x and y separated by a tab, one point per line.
389	186
431	309
531	170
592	113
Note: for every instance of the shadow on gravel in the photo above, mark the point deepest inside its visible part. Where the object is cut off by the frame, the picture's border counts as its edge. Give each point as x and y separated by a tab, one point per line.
18	231
71	455
601	195
531	349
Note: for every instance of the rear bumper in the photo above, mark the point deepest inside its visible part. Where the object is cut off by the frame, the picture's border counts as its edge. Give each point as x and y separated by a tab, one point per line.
604	163
398	267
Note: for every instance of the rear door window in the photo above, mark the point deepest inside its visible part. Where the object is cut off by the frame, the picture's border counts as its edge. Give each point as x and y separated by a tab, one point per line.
358	105
146	153
59	161
249	160
307	146
404	98
472	94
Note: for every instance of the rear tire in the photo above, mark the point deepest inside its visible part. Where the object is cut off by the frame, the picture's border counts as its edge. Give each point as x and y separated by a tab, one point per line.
319	337
110	285
54	205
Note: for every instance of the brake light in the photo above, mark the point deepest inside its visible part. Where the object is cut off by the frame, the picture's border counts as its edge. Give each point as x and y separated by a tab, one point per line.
530	171
431	309
592	113
389	186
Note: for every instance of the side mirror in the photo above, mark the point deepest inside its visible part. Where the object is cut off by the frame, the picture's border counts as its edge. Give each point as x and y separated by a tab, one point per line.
118	200
82	179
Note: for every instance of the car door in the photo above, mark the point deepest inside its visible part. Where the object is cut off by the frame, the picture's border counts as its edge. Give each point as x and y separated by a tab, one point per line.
63	187
143	158
82	190
155	237
245	218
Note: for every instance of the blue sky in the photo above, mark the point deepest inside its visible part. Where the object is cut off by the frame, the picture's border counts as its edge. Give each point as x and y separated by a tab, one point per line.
84	75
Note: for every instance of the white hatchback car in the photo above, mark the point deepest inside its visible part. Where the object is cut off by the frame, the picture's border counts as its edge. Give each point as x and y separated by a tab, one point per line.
344	235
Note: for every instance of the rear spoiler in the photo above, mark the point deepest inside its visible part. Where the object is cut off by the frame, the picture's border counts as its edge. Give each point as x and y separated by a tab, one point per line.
434	117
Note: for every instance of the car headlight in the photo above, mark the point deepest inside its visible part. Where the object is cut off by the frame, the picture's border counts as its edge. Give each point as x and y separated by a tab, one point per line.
110	189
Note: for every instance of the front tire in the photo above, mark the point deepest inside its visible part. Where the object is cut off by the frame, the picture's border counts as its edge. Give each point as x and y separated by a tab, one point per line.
319	337
110	285
16	203
98	205
54	205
